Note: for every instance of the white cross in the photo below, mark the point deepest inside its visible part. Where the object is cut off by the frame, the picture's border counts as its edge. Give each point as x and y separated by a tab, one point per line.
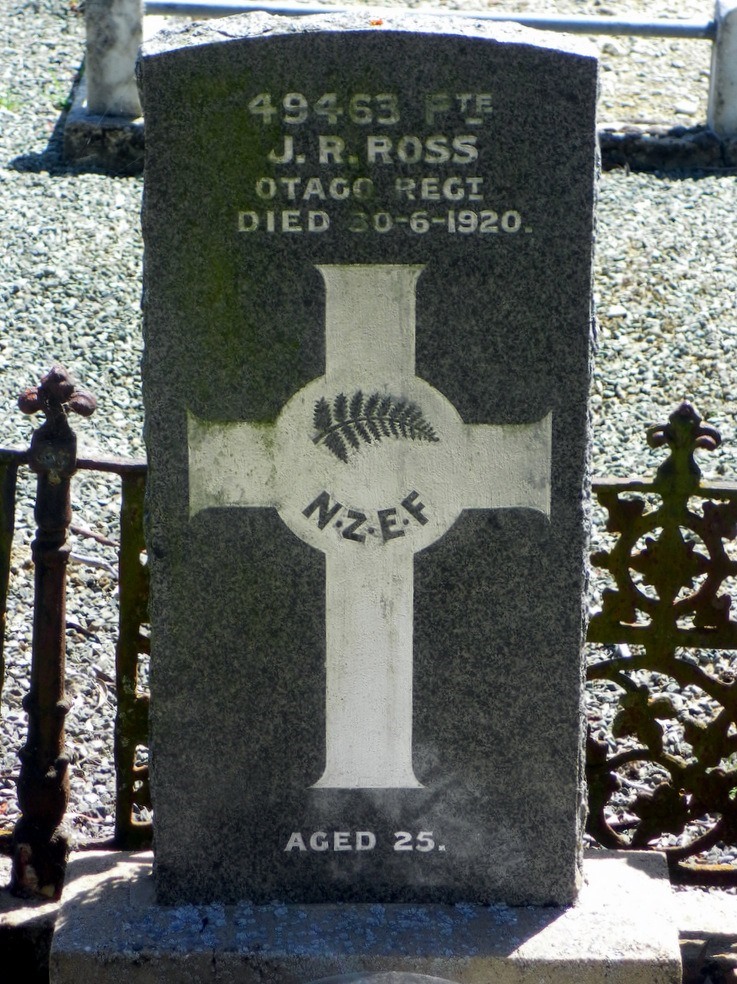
387	483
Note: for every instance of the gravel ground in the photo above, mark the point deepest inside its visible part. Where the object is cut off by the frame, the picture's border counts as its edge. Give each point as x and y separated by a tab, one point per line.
666	270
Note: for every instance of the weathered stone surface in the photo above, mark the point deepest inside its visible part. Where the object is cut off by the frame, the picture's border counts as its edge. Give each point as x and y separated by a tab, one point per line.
366	678
620	931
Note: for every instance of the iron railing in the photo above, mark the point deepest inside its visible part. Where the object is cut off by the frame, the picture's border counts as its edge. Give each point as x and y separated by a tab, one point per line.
40	840
671	561
658	775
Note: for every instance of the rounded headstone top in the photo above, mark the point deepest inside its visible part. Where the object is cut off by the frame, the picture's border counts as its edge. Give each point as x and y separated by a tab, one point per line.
262	25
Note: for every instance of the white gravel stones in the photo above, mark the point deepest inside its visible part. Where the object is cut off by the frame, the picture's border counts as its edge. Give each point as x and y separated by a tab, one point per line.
666	272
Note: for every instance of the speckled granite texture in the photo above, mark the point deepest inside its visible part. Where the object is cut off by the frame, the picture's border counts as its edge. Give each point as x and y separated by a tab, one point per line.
500	216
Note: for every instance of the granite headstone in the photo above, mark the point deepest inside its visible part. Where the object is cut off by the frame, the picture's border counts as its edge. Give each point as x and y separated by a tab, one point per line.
367	300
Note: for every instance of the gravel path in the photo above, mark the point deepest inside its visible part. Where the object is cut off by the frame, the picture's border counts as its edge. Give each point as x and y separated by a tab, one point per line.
666	270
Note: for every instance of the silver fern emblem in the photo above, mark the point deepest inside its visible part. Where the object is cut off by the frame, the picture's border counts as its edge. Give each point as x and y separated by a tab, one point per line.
347	424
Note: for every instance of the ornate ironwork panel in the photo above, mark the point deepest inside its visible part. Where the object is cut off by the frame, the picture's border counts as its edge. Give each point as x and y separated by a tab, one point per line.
664	772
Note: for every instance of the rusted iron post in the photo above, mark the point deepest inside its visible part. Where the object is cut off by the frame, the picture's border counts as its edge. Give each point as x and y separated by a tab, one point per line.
9	461
40	840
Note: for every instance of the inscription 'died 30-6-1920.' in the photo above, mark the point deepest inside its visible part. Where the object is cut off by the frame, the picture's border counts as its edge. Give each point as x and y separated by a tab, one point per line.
306	174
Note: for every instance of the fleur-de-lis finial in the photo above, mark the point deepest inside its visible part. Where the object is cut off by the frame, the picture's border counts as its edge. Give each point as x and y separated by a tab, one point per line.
683	434
53	445
57	393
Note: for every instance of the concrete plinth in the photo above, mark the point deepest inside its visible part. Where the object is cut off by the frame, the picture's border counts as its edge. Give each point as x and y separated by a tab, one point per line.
620	931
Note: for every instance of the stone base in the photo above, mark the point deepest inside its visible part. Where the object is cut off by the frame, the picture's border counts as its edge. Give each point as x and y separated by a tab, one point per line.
110	931
113	144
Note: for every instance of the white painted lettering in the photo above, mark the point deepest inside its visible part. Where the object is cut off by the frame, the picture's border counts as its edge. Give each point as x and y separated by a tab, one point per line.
406	187
436	104
474	184
365	840
291	185
266	188
319	841
341	841
481	108
437	150
409	150
284	155
331	149
472	107
388	108
247	221
378	150
430	190
339	188
453	189
465	149
313	189
295	843
363	189
318	221
290	221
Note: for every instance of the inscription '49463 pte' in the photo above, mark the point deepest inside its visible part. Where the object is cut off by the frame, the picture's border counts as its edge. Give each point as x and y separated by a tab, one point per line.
369	464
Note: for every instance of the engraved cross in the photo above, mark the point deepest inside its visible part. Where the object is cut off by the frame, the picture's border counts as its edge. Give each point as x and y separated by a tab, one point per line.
369	464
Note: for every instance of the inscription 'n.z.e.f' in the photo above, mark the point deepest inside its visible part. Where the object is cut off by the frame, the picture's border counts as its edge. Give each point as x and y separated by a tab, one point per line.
388	523
418	438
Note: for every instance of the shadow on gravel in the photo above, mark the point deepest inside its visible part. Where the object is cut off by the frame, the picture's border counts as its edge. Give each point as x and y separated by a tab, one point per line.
675	153
52	160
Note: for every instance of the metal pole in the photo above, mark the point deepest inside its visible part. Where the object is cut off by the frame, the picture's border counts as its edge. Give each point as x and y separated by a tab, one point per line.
722	112
629	25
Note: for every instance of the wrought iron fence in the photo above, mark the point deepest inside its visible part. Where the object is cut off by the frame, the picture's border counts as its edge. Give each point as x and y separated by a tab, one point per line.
658	774
670	564
40	843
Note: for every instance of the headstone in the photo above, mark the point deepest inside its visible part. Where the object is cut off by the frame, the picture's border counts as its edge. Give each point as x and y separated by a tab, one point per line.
367	307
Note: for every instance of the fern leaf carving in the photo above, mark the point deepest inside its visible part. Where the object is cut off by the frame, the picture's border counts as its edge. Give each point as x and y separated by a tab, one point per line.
340	407
350	423
322	418
356	405
335	443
